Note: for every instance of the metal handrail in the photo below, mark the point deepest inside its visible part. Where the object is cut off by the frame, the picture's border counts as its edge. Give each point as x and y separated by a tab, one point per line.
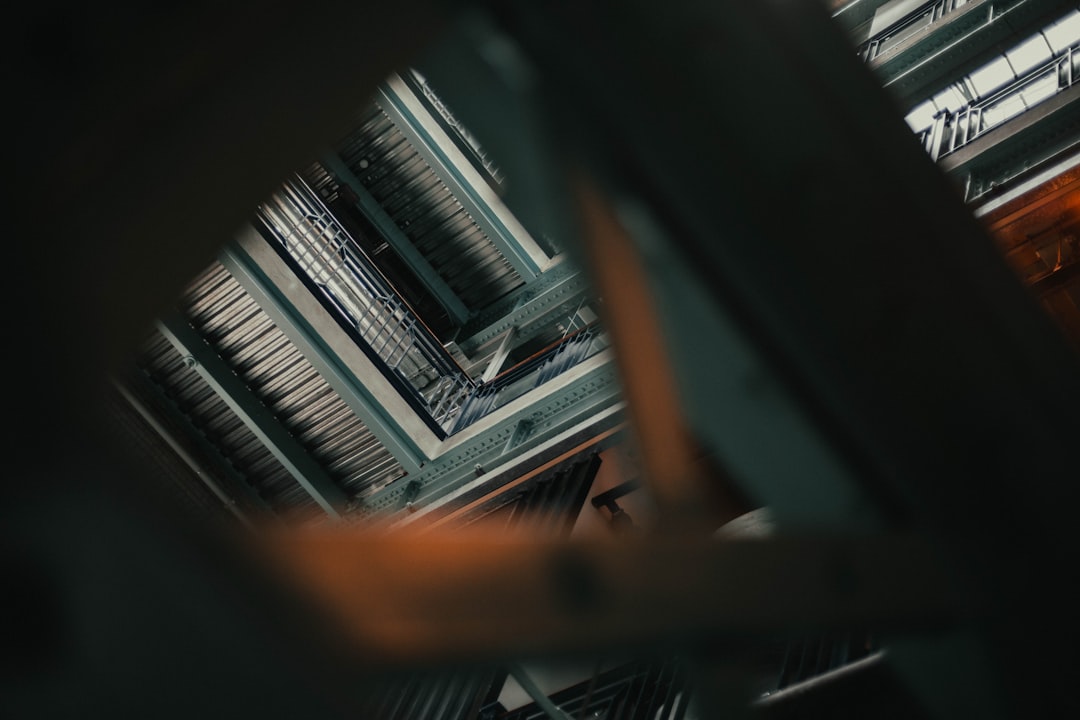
351	284
936	9
359	293
951	131
531	373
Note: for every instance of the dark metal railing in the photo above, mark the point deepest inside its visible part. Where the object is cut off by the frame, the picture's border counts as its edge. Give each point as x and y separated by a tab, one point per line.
924	15
953	130
532	373
323	254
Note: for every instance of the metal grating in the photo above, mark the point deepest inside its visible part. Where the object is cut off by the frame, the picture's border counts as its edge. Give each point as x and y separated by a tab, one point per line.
421	205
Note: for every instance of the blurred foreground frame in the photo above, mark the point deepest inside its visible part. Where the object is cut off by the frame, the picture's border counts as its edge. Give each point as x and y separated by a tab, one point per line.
885	413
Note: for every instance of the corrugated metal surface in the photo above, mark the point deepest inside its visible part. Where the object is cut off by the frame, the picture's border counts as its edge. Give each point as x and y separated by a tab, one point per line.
159	465
276	372
287	383
211	416
449	696
657	691
548	504
421	205
360	294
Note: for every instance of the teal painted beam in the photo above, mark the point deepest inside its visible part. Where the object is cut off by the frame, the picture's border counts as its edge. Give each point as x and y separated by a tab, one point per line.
312	336
255	415
554	295
388	229
588	395
1033	139
405	111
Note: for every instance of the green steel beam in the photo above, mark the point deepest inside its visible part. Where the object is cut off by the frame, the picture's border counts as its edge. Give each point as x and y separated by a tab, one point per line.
323	343
388	229
255	415
502	229
556	293
495	92
604	428
1068	163
587	395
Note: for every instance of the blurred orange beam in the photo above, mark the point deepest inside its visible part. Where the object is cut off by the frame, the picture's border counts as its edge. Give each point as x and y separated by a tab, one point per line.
407	599
687	494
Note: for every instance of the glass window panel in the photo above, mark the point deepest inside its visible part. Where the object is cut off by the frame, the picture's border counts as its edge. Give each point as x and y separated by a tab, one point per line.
1041	89
1003	110
1029	54
992	76
1064	32
921	117
949	99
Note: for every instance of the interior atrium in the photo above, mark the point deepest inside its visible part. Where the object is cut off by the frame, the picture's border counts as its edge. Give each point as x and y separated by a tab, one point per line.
443	361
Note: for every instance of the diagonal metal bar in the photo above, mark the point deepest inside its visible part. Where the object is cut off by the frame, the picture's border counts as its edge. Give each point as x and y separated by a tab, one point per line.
543	701
852	14
497	360
965	38
258	418
374	212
